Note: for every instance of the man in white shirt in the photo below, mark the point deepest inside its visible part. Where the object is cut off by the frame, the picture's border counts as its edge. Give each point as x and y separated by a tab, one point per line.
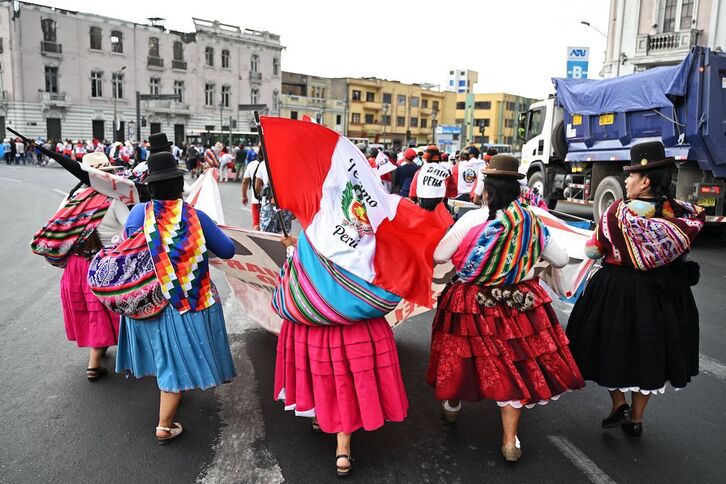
247	180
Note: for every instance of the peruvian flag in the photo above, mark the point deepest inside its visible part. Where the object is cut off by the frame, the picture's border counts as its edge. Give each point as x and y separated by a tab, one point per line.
347	215
307	118
384	164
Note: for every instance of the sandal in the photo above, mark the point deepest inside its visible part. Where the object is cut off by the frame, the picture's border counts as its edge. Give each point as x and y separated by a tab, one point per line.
94	374
344	471
315	425
174	431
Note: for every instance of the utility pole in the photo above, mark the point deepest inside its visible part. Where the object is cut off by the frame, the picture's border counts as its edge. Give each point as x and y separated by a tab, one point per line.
385	114
118	74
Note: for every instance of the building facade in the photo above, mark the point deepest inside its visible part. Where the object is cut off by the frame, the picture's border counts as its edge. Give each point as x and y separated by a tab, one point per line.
490	118
461	81
68	74
649	33
303	94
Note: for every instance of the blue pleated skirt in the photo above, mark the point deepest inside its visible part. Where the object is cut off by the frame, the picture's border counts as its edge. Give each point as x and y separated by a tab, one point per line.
184	351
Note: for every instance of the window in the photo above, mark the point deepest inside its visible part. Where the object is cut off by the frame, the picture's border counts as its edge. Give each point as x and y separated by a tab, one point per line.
461	105
225	59
424	123
117	85
369	119
51	79
356	95
95	37
370	97
451	73
48	26
209	94
534	123
483	105
254	95
355	118
414	102
96	84
687	14
226	96
508	123
275	66
424	103
401	99
482	122
255	63
275	100
154	47
178	50
293	114
451	82
435	105
386	119
400	121
179	91
386	98
154	85
117	42
462	83
462	73
209	56
413	123
669	17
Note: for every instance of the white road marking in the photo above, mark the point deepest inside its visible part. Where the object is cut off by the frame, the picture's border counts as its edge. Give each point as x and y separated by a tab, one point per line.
60	192
709	365
580	460
11	179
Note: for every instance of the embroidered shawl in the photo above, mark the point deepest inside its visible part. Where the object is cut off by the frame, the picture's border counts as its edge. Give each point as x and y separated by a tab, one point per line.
501	251
177	246
630	235
314	291
70	226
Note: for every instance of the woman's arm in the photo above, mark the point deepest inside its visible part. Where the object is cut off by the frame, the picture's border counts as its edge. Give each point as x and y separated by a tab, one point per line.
216	240
451	241
554	253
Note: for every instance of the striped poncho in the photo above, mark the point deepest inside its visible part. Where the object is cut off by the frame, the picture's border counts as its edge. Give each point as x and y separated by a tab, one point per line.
501	251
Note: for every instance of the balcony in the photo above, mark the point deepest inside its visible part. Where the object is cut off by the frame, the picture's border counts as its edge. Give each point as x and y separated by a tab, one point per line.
372	106
169	107
152	61
666	44
51	48
179	64
255	76
50	100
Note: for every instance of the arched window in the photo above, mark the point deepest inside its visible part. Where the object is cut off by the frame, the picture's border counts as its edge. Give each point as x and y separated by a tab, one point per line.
117	42
275	100
209	56
95	38
48	26
255	63
276	66
254	95
178	50
153	47
225	59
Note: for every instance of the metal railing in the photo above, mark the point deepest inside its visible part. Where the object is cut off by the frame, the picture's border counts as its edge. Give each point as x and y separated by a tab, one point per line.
51	47
178	64
155	61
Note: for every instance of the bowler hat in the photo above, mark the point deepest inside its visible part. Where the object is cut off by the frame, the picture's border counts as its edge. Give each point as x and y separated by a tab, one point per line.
647	156
504	166
159	143
163	166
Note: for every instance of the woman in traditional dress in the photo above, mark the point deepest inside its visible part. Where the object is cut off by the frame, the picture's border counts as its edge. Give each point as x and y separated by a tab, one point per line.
635	328
495	335
186	347
86	220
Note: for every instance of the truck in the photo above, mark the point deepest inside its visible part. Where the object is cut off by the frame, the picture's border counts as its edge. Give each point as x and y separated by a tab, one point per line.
576	142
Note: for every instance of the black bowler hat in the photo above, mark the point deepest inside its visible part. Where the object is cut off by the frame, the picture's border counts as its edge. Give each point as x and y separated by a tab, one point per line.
647	156
163	166
158	143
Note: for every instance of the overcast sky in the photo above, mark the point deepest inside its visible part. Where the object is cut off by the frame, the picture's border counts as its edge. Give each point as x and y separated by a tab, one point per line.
515	45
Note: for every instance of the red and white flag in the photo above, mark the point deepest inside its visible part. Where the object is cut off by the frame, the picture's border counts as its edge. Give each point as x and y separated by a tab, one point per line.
347	215
307	118
384	164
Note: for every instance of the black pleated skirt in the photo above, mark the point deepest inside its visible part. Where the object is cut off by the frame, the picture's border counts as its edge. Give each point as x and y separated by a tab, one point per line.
637	329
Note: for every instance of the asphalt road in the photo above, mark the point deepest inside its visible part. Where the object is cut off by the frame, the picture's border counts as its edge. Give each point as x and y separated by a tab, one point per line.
57	427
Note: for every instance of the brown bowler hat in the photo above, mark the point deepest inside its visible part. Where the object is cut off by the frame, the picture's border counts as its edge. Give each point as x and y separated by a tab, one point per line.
647	156
504	166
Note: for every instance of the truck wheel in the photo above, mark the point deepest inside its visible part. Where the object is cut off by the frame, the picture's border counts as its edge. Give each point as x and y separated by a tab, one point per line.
537	183
559	142
611	188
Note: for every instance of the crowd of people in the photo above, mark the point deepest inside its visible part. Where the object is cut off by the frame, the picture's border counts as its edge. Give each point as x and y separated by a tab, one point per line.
494	337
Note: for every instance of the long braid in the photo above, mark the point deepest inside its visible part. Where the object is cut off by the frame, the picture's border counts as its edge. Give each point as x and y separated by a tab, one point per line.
75	189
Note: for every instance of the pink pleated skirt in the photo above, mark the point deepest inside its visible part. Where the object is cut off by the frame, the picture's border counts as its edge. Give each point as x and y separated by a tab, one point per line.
88	322
346	376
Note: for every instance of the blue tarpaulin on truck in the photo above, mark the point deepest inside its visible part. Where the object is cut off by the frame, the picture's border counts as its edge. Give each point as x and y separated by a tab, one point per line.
635	92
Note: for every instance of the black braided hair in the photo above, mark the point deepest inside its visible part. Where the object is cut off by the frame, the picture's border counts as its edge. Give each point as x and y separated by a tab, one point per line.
501	192
75	189
660	188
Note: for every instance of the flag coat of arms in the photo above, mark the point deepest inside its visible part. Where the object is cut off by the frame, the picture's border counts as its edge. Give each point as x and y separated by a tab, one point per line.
347	215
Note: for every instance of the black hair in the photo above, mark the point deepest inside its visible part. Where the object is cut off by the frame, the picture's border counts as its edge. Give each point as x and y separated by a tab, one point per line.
75	189
171	189
501	192
660	187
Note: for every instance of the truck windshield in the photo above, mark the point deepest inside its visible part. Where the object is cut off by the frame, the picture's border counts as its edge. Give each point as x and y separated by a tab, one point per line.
534	126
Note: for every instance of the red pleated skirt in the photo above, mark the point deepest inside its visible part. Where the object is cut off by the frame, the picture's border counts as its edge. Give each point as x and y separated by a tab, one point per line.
88	322
483	348
347	376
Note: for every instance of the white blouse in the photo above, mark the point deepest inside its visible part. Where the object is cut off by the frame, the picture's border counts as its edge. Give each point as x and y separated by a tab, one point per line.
552	253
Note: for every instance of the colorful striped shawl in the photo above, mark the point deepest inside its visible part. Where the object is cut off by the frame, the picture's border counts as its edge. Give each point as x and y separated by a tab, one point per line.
312	290
70	226
629	235
501	251
177	246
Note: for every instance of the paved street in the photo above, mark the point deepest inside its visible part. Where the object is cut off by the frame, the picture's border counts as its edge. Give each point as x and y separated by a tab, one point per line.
57	427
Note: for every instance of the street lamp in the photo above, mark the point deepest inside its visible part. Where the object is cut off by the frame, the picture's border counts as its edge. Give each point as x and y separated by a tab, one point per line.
587	24
115	93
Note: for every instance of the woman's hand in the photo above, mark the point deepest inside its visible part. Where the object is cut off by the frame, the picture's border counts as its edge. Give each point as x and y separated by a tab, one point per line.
288	241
